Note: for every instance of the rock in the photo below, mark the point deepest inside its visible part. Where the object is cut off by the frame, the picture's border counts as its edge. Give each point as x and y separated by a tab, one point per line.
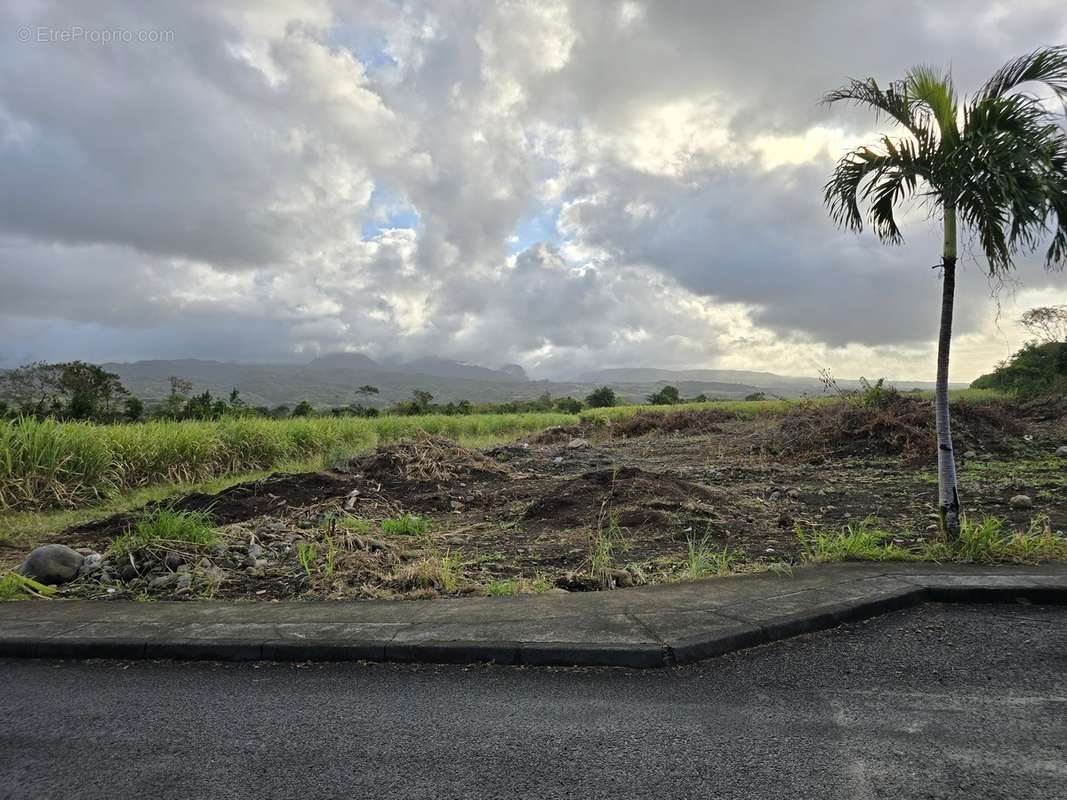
456	505
205	563
92	563
248	561
1062	451
775	497
970	454
261	563
162	582
577	444
793	494
1021	501
184	581
52	563
173	561
558	460
622	578
254	550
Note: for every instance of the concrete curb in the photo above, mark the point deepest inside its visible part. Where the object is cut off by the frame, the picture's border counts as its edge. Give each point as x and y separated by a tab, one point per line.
661	627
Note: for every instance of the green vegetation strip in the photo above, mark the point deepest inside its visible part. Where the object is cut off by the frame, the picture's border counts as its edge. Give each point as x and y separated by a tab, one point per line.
49	464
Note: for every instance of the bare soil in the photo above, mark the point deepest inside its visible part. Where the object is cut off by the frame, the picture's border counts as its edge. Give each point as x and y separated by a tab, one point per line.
534	510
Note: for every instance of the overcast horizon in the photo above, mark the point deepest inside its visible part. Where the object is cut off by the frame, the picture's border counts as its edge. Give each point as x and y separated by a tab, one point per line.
563	185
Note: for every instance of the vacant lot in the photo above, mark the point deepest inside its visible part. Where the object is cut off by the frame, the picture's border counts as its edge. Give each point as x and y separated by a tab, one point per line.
605	502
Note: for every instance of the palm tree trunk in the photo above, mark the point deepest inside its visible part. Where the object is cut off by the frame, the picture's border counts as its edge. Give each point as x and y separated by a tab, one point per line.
948	500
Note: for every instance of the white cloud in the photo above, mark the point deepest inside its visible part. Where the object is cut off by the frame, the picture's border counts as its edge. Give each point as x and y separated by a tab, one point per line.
303	177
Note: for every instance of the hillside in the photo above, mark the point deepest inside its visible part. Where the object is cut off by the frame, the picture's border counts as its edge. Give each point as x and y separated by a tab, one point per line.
332	380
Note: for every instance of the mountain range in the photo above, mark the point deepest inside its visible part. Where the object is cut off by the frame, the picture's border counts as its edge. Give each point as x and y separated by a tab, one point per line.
332	380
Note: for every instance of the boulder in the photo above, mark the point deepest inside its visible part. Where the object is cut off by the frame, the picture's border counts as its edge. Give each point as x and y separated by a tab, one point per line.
576	444
52	564
1021	501
1062	451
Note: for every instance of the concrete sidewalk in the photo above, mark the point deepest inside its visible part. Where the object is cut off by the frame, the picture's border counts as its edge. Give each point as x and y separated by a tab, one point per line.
646	627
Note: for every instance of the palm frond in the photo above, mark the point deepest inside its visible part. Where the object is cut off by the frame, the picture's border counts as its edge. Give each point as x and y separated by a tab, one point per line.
1047	65
893	101
1010	172
880	178
933	88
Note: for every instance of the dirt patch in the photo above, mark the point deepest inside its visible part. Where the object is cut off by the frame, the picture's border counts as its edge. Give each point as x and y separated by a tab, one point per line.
426	517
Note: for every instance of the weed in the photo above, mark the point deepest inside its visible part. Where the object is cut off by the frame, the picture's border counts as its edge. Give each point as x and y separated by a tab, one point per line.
506	587
602	549
167	528
406	525
986	541
443	572
863	541
703	559
307	553
503	588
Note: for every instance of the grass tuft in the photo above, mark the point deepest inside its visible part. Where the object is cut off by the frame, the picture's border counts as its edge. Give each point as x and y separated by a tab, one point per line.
863	541
703	559
166	528
507	587
986	541
406	525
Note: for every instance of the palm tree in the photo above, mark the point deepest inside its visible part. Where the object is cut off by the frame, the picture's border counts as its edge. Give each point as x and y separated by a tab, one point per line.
995	163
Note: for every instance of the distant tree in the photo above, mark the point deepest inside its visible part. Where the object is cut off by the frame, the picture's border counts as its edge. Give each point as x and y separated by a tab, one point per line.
279	412
134	410
604	397
755	396
73	389
422	399
1046	323
235	398
179	387
33	388
303	409
666	396
995	162
568	405
90	390
366	390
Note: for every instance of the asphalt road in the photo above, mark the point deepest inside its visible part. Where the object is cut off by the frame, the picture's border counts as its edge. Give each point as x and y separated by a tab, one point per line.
942	701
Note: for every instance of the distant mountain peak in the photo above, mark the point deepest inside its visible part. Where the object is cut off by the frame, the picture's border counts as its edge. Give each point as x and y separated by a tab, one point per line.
345	360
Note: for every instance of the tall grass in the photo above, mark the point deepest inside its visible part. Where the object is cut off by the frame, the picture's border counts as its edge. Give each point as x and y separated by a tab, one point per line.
50	464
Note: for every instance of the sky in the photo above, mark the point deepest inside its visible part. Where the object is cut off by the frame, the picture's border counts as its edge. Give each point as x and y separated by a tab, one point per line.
562	185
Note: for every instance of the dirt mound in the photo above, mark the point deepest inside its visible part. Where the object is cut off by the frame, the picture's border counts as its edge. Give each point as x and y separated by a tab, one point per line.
634	498
429	458
902	426
559	433
705	420
1045	409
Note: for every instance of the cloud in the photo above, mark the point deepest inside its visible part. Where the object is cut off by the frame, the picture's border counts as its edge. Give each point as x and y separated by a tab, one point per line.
560	184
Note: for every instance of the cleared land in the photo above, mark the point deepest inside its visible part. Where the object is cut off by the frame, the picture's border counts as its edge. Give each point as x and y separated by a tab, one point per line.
613	499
